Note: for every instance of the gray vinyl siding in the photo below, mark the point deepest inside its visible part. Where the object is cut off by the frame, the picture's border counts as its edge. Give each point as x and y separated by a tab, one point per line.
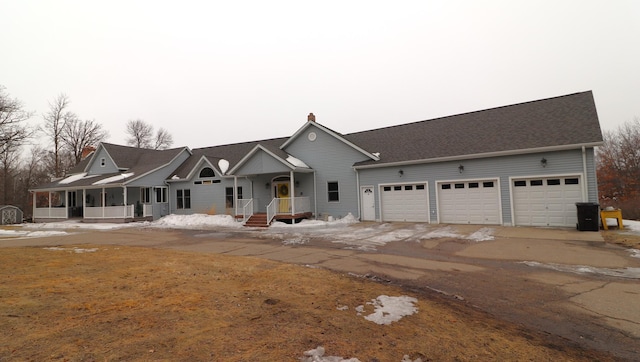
502	168
332	160
157	177
97	169
206	198
261	162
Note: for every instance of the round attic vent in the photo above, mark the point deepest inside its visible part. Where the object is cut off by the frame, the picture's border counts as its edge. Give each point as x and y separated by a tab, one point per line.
312	136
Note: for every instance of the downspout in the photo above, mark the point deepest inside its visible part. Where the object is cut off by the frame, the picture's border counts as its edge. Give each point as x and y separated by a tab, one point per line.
124	197
33	213
66	204
168	196
315	195
235	196
585	191
358	193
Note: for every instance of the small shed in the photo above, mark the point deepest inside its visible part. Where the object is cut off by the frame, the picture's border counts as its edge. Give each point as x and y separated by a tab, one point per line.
10	214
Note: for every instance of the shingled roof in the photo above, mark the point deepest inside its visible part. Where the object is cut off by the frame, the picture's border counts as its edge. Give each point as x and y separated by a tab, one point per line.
564	121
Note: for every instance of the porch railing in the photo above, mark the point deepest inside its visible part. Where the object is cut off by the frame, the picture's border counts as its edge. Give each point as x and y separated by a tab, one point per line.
109	212
147	210
50	213
282	206
247	208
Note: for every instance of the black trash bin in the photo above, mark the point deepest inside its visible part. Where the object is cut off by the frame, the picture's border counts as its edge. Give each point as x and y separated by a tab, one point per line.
588	216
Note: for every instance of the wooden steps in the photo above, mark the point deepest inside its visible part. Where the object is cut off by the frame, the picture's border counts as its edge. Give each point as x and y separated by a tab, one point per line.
257	221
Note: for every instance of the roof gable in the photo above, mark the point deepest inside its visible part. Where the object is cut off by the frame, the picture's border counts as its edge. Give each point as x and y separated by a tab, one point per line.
273	160
337	135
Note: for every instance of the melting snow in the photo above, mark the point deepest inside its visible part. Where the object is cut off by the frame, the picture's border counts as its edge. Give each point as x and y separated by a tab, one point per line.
296	162
391	309
120	177
630	273
195	221
72	250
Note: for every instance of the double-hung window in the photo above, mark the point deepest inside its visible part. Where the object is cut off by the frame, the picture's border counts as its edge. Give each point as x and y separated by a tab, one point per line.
183	199
145	195
333	192
161	195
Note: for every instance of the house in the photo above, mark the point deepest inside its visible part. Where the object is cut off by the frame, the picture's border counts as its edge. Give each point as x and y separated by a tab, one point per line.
523	164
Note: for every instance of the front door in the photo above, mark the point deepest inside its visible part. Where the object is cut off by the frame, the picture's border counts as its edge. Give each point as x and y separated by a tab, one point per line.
368	203
281	190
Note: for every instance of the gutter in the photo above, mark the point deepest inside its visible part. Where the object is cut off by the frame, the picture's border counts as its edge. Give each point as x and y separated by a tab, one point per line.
480	155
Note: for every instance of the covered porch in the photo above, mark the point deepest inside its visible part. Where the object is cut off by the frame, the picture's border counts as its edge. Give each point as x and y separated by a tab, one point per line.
277	196
104	204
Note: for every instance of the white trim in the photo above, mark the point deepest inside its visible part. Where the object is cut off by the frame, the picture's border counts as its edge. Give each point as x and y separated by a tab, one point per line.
480	155
255	150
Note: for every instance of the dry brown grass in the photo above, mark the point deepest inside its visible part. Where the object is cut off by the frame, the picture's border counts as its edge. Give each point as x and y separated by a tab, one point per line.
124	303
621	237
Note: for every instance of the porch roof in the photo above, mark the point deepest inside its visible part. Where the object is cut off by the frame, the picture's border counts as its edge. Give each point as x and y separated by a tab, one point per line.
85	181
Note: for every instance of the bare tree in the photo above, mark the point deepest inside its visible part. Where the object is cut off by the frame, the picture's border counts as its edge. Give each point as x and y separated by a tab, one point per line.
140	133
55	123
12	118
164	139
77	134
141	136
9	161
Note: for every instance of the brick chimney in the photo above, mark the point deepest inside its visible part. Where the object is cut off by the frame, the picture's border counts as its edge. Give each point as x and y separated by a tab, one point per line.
87	151
311	117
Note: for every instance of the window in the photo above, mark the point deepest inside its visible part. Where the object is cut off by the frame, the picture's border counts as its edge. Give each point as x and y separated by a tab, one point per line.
419	187
553	182
488	184
571	181
473	185
446	186
535	182
459	186
520	183
408	187
103	162
161	195
207	172
145	195
228	195
333	193
387	188
397	188
183	199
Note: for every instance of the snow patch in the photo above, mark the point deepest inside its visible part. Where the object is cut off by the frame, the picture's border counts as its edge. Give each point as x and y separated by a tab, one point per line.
635	253
120	177
628	273
317	355
72	250
391	309
296	162
72	178
483	234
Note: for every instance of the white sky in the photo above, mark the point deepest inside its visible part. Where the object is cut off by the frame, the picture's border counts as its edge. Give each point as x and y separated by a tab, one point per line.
215	72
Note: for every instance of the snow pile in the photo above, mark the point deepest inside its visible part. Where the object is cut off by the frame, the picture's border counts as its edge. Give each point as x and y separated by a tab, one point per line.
635	253
629	273
30	234
77	224
296	162
349	219
72	178
391	309
631	225
317	355
195	221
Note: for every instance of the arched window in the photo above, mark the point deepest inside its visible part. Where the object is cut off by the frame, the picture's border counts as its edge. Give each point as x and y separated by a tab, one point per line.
207	172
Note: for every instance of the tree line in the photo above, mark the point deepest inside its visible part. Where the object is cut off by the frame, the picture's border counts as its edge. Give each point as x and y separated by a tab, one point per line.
34	155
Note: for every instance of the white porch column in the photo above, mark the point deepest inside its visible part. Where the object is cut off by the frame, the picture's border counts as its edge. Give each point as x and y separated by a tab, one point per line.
235	196
103	200
293	194
34	203
124	197
49	211
84	202
66	204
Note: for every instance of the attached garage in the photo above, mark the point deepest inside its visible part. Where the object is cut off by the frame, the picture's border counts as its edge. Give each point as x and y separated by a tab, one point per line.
546	201
469	202
404	202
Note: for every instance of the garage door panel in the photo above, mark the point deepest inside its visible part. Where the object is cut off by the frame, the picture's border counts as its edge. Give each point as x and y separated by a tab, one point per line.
405	203
469	202
546	201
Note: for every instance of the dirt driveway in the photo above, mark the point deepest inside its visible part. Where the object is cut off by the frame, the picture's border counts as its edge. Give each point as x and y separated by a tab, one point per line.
562	282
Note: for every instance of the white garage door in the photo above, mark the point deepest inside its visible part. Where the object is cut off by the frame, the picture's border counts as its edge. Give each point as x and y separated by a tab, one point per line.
405	202
469	202
546	201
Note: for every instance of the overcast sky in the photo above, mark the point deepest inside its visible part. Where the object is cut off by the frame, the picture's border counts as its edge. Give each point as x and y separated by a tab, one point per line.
216	72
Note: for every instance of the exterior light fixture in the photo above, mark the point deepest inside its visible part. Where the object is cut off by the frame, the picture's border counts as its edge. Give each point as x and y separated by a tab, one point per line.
400	173
266	186
543	162
460	168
